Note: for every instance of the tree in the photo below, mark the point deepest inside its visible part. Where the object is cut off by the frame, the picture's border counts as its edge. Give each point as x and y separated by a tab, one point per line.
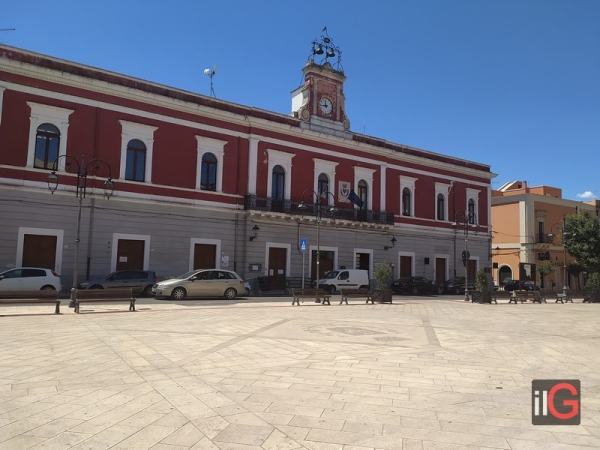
575	269
545	268
581	239
382	274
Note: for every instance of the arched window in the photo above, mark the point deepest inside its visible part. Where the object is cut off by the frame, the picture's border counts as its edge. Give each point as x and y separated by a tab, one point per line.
135	166
208	176
406	201
441	208
362	193
47	141
323	187
471	210
278	183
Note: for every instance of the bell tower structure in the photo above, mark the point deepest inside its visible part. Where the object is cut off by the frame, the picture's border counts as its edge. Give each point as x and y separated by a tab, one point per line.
320	101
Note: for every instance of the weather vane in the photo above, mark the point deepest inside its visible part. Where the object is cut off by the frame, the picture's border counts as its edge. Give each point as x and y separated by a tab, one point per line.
326	47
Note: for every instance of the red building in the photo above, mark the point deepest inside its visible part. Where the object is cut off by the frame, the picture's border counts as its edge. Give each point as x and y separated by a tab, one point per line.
202	182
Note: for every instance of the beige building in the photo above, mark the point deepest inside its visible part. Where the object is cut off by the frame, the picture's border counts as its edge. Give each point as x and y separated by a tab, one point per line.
527	230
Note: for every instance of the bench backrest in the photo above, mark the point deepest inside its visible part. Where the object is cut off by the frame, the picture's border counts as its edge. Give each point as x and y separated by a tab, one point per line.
46	293
308	291
102	293
346	291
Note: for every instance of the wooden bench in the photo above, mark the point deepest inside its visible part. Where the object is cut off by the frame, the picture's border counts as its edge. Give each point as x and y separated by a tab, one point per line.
502	295
104	296
586	295
538	297
26	297
356	293
523	296
317	294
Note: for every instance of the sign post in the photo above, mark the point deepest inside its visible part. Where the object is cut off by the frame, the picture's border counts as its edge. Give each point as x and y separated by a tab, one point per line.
303	250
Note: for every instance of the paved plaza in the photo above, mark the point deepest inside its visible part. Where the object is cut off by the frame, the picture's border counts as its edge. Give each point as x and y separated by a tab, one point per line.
422	373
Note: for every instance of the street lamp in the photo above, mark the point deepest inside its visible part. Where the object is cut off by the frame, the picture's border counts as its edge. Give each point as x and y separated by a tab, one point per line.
465	218
82	173
317	208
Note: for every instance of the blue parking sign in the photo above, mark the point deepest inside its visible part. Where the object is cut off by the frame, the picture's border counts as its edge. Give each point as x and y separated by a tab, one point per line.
303	245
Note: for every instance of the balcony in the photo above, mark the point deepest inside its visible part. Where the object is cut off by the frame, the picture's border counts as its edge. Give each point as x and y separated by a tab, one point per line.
252	202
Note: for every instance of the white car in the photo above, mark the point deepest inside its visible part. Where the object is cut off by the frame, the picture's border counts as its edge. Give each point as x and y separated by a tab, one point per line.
201	283
29	279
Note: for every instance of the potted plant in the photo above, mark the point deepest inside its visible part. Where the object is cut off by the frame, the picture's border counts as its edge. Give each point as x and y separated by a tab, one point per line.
383	276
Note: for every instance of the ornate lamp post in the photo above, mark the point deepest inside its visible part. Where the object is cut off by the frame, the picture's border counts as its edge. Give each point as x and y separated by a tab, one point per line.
465	218
317	208
82	173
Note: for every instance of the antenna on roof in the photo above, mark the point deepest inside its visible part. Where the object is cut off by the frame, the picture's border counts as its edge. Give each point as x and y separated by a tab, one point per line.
211	74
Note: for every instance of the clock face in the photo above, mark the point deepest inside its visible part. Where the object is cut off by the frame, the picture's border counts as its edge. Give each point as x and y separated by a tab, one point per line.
326	106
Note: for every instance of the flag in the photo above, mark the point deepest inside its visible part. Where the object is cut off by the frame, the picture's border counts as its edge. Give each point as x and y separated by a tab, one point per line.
355	199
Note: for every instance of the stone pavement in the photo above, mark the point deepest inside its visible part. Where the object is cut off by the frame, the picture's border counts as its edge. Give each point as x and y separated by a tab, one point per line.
261	374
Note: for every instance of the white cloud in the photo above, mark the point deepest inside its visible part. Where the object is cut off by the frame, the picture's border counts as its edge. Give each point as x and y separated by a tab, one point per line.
588	195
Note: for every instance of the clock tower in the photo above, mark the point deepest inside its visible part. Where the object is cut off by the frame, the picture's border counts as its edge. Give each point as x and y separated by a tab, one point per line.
320	101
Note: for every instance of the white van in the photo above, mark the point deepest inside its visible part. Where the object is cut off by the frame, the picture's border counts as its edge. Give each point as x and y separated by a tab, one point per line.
339	279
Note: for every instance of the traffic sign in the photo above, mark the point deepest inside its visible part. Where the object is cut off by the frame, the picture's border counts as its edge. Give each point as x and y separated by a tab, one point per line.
303	245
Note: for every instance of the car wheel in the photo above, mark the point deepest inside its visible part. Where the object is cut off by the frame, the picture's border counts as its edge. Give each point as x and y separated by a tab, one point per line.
48	288
247	292
415	290
331	290
440	290
96	286
147	292
230	293
178	294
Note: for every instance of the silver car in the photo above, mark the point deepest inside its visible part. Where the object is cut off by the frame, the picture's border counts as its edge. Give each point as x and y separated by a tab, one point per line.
201	283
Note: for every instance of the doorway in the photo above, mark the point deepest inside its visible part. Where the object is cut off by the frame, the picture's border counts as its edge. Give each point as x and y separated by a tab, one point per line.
405	266
130	254
39	251
440	270
277	267
205	256
325	263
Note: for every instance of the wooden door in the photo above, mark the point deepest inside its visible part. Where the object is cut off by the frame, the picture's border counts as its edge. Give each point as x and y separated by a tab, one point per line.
363	261
205	256
405	266
277	259
472	269
39	251
130	254
440	270
325	264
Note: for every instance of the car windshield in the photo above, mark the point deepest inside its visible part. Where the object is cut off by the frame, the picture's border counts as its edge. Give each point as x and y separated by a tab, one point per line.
187	275
331	274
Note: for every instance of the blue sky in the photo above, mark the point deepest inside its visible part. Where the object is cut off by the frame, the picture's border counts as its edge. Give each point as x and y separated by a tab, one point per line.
514	84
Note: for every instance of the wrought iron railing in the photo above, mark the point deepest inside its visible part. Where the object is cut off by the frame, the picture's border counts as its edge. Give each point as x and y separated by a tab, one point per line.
253	202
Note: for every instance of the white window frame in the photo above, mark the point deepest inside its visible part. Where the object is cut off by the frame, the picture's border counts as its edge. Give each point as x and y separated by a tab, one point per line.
40	114
473	194
283	159
408	183
216	242
363	173
413	262
132	237
442	188
143	133
217	148
328	168
362	250
41	232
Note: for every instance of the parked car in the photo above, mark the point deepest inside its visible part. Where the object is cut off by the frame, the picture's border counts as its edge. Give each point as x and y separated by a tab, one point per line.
140	281
516	285
29	279
456	285
334	280
416	285
201	283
